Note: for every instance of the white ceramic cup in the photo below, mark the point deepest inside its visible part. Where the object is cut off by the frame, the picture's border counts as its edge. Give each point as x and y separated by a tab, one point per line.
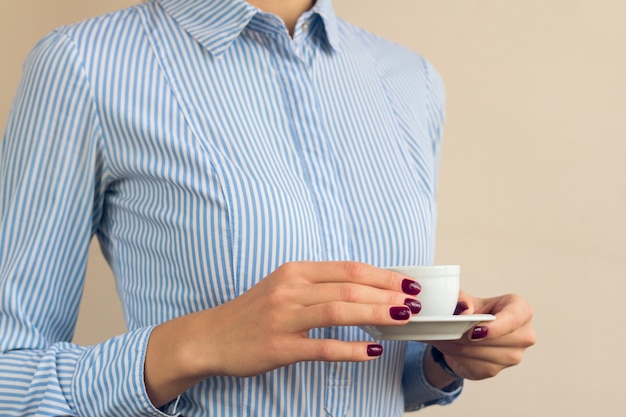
440	287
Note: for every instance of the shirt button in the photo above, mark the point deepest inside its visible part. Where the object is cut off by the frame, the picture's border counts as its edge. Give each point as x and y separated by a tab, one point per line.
305	26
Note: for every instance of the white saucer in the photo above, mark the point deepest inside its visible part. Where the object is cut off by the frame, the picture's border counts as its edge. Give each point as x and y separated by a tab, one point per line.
429	327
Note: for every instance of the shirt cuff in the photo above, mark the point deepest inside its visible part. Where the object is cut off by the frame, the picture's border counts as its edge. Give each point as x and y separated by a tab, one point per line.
418	392
109	379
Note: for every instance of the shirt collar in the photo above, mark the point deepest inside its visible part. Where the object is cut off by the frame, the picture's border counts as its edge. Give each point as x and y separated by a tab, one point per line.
324	9
217	23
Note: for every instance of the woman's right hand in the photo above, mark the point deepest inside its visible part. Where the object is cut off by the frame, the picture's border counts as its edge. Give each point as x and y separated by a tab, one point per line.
267	327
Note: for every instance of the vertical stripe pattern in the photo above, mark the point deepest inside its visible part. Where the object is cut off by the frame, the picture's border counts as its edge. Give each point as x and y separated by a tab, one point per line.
204	147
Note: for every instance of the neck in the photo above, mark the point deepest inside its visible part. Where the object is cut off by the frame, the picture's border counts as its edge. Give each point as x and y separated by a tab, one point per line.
288	10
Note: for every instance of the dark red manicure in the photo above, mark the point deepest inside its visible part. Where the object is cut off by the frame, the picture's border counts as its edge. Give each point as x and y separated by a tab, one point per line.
399	313
461	306
414	305
479	332
374	350
411	287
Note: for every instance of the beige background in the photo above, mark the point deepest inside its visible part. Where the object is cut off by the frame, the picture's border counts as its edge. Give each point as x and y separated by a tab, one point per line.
532	193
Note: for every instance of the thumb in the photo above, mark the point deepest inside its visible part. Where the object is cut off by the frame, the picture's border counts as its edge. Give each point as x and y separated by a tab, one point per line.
465	304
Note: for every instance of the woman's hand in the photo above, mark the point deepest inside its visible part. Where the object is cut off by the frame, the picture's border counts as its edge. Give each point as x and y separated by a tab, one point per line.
490	347
267	327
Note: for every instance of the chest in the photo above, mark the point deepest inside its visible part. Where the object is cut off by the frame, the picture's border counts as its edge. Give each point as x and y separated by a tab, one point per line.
261	157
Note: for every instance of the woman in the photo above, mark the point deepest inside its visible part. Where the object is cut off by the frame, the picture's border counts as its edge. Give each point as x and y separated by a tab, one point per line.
247	167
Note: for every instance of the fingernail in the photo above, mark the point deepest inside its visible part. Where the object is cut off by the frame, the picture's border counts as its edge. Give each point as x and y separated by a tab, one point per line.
411	287
399	313
414	305
479	332
374	350
461	306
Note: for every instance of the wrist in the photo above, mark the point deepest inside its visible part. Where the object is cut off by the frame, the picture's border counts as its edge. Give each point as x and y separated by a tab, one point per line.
437	371
440	360
172	363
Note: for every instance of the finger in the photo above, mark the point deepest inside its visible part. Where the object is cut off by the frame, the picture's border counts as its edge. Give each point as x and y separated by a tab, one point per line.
521	338
330	350
476	369
512	312
349	314
482	360
465	304
354	293
355	272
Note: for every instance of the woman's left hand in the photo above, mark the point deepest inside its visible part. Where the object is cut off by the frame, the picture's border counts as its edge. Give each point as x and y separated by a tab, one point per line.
490	347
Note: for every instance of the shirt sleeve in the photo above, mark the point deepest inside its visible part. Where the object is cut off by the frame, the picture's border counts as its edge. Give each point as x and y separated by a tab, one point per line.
435	107
418	392
52	182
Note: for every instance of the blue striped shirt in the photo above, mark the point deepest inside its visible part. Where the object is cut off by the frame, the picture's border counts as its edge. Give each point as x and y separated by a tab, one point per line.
204	147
